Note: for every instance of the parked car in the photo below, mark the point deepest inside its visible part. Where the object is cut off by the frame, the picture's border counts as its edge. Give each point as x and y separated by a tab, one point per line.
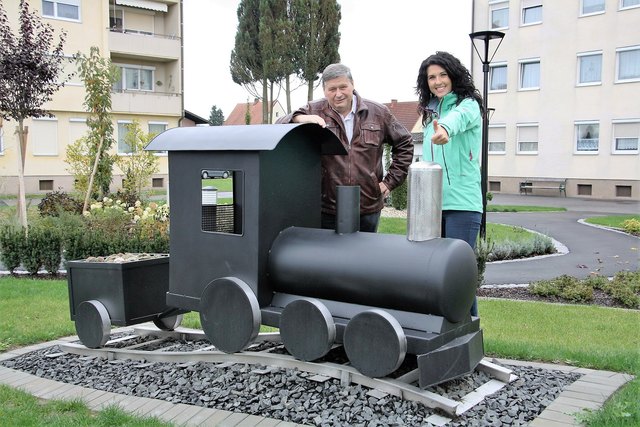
214	173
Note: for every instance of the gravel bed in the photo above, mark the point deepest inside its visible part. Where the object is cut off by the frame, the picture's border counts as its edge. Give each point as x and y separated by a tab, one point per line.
290	395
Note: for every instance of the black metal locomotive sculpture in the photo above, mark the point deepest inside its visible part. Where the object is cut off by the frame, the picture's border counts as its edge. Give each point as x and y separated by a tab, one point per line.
256	255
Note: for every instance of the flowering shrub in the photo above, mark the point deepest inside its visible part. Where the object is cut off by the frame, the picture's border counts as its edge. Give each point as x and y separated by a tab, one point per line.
153	217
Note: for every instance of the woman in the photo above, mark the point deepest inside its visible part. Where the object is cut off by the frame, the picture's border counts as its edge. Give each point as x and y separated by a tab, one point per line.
451	116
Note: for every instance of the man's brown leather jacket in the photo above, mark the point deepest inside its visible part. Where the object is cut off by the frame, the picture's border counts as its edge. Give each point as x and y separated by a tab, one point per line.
374	126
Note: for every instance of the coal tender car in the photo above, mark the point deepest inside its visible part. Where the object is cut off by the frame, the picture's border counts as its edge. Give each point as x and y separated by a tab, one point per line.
255	254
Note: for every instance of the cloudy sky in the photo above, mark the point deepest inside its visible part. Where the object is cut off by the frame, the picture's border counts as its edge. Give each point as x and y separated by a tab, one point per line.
382	41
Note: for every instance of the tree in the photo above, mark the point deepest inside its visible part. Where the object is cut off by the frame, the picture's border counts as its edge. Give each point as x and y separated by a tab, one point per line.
30	74
316	24
98	75
261	52
139	165
216	118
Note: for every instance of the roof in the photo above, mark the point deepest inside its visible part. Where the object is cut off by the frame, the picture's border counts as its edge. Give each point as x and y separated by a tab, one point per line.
195	118
239	112
242	138
406	112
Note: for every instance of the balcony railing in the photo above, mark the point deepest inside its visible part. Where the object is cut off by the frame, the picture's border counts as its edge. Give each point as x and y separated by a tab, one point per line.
142	33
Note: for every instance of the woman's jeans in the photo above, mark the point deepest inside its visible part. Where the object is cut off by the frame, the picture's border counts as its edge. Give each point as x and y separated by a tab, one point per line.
463	225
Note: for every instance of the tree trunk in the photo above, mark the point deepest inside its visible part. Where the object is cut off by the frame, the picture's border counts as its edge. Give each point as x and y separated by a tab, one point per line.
288	93
265	101
22	132
310	91
93	174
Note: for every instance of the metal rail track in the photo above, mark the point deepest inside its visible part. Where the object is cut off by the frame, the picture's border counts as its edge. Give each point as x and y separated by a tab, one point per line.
402	387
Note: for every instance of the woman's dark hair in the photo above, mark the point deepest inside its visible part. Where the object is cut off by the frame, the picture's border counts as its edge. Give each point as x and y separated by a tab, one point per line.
461	82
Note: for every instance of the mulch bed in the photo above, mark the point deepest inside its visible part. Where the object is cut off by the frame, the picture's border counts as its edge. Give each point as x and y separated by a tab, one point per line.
521	293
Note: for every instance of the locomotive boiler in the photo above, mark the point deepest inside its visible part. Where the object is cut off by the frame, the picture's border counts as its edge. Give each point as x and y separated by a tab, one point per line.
253	253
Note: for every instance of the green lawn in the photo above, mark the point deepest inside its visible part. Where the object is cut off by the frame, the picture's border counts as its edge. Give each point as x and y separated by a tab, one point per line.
521	208
614	221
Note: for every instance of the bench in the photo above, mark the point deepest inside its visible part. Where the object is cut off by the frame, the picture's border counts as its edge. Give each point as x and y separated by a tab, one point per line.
527	186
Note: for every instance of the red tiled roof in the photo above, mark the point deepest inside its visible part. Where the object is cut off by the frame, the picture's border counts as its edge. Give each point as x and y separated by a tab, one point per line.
237	116
406	112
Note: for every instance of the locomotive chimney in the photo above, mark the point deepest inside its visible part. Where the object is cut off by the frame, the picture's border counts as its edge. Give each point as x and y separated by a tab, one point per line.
348	209
424	201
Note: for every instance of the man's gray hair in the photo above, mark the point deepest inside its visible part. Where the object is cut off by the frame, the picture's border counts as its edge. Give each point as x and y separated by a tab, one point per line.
334	71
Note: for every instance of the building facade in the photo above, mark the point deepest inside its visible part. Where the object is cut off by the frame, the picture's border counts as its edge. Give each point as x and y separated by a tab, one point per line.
143	39
565	88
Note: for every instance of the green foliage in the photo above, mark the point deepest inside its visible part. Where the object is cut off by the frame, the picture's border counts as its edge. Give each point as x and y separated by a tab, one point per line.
80	164
12	241
98	75
624	288
216	117
399	196
316	27
52	204
631	226
483	249
139	165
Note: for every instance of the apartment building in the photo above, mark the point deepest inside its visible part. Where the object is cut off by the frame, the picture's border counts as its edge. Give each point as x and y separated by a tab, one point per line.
143	39
565	89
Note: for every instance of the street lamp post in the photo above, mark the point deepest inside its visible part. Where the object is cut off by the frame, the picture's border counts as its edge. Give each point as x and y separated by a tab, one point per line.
486	37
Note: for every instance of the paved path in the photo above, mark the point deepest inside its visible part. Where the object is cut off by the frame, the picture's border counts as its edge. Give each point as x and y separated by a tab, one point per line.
591	250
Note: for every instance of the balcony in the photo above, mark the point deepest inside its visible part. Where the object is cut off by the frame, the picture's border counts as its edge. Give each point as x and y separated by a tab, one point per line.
144	46
143	102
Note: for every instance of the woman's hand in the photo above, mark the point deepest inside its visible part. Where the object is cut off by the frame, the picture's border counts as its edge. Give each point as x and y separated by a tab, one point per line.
440	135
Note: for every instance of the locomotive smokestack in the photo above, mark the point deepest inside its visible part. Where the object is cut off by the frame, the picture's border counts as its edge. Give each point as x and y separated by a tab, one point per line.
348	209
424	201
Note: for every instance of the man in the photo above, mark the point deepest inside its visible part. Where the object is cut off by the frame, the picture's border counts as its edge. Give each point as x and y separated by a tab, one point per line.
363	127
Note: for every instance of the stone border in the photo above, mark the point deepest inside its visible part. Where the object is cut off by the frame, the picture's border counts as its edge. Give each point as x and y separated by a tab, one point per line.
590	392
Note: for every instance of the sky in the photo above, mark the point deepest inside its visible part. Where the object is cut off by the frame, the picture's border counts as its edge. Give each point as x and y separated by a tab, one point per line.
383	42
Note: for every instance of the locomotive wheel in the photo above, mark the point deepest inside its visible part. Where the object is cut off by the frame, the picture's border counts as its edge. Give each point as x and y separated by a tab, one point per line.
307	329
229	314
375	343
168	323
93	324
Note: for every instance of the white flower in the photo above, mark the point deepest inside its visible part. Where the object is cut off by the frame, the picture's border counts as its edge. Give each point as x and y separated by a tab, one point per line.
130	209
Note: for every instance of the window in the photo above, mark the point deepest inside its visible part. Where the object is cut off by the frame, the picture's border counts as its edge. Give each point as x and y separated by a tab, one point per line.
43	134
628	64
629	3
116	17
156	128
77	129
123	130
528	139
623	191
587	137
221	212
589	7
157	182
499	15
45	185
498	77
531	12
134	78
625	137
497	139
589	68
61	9
530	74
